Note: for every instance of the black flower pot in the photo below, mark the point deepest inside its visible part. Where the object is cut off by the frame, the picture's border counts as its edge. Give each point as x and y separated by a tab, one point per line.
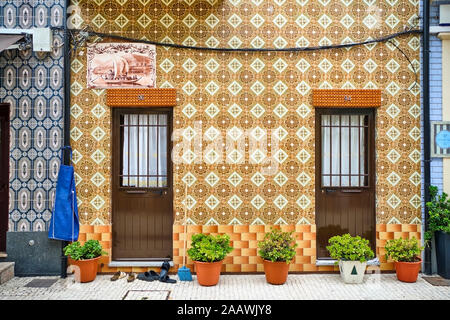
443	254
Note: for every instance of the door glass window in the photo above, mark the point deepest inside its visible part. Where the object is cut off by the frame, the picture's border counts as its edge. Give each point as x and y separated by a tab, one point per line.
344	150
144	150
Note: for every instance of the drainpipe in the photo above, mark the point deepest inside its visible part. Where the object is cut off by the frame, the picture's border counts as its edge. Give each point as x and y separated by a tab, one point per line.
66	131
426	122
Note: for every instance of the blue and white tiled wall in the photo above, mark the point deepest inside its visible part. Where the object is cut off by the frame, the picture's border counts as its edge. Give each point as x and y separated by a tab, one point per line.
33	84
436	102
435	91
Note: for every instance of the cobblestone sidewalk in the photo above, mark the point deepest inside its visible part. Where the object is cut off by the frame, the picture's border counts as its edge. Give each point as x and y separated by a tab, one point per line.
230	287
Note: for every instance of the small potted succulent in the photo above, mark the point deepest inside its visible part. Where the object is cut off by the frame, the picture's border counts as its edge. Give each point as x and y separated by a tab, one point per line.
277	250
439	226
405	253
85	258
208	252
351	254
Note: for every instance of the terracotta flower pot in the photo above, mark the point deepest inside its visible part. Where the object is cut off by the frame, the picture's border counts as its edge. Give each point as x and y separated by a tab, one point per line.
87	269
276	272
208	273
407	271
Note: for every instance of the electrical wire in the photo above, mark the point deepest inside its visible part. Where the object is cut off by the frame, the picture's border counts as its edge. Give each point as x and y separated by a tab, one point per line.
416	82
89	33
80	36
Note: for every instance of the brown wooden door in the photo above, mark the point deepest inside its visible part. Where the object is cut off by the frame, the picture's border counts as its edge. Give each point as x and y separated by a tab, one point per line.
142	207
4	173
345	175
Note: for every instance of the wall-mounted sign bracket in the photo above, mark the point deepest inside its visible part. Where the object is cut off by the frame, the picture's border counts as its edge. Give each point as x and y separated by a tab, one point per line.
42	38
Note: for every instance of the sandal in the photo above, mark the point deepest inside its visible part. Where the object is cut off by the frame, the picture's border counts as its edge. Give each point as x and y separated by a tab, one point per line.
166	279
148	276
118	275
164	275
131	277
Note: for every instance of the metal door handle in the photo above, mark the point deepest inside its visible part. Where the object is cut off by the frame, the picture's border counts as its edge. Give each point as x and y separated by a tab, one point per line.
328	190
136	191
351	190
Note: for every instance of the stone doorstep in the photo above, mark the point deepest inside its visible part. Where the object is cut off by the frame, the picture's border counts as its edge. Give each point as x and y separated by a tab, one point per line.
118	264
3	255
330	262
6	271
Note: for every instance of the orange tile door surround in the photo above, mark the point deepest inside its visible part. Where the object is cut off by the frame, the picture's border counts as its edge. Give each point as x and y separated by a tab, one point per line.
244	239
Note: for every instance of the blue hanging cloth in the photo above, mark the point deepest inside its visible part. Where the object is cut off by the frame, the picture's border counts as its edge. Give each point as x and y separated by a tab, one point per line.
64	224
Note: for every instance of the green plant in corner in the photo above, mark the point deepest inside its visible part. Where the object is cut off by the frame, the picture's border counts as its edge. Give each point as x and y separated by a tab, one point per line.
74	250
209	248
403	250
439	213
349	248
91	249
277	246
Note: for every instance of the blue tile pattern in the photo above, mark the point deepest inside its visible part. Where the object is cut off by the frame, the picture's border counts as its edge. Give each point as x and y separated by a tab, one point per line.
33	84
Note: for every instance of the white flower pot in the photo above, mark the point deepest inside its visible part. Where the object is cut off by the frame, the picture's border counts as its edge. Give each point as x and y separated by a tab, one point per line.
352	271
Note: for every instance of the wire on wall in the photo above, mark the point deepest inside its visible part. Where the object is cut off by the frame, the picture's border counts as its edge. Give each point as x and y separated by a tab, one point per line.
81	35
79	38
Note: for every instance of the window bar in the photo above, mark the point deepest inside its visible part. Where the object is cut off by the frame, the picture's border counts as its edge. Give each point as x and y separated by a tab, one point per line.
148	150
366	149
350	151
122	134
157	150
340	150
138	151
359	150
129	140
331	149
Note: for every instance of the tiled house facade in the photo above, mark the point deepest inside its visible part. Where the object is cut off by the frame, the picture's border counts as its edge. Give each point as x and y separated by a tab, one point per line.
33	85
439	99
239	92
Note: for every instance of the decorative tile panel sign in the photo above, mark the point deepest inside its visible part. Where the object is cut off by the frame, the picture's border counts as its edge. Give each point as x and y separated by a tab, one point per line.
121	65
440	139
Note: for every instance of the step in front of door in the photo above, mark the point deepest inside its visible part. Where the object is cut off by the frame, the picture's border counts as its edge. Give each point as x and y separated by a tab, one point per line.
331	262
122	264
6	271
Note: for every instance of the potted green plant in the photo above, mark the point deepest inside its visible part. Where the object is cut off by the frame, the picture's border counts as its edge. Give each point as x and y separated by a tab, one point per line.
351	254
277	250
85	258
208	252
439	226
405	253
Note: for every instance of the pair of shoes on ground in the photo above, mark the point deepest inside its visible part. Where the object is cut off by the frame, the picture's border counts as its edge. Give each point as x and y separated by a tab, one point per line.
162	277
120	274
152	276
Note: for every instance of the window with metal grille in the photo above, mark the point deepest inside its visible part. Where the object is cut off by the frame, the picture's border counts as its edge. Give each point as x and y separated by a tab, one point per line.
344	150
144	141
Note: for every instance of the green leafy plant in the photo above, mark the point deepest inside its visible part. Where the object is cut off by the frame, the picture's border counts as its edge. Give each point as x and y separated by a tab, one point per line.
90	250
209	248
349	248
403	250
74	251
277	246
439	213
